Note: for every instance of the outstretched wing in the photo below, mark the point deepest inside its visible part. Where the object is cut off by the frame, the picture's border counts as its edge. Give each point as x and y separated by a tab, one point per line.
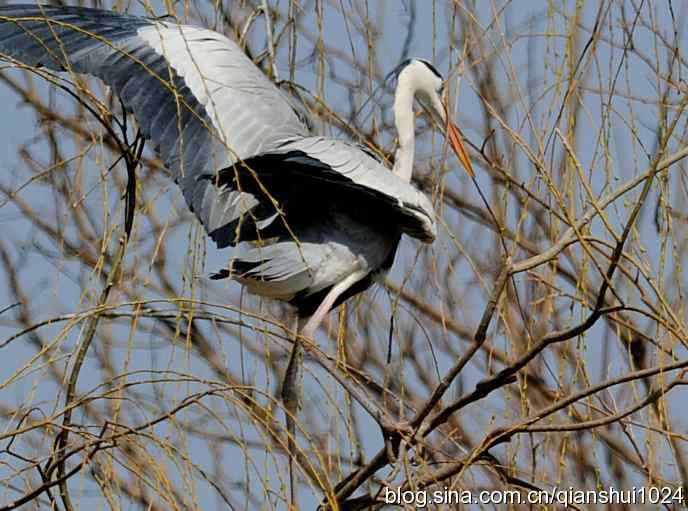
195	94
209	110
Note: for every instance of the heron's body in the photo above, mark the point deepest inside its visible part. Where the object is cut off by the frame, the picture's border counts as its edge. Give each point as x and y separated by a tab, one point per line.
331	226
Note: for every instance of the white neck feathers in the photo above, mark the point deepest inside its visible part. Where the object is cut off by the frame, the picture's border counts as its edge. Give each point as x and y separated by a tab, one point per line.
405	124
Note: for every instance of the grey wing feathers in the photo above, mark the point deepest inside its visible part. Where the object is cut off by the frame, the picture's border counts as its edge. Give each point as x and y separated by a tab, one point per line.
346	165
280	270
194	92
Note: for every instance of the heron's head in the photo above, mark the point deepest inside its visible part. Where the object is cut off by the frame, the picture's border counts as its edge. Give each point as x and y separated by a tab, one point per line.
422	79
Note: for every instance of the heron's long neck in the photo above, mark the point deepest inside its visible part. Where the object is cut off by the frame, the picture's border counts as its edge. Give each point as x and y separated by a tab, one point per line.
405	123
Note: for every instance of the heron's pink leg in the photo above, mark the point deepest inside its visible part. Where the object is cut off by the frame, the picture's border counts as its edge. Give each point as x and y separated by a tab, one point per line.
314	321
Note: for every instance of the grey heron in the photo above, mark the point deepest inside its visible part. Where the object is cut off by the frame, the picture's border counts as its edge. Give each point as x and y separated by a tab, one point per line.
324	215
317	219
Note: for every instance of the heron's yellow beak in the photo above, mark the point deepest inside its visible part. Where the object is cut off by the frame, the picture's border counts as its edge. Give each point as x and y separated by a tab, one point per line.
454	136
